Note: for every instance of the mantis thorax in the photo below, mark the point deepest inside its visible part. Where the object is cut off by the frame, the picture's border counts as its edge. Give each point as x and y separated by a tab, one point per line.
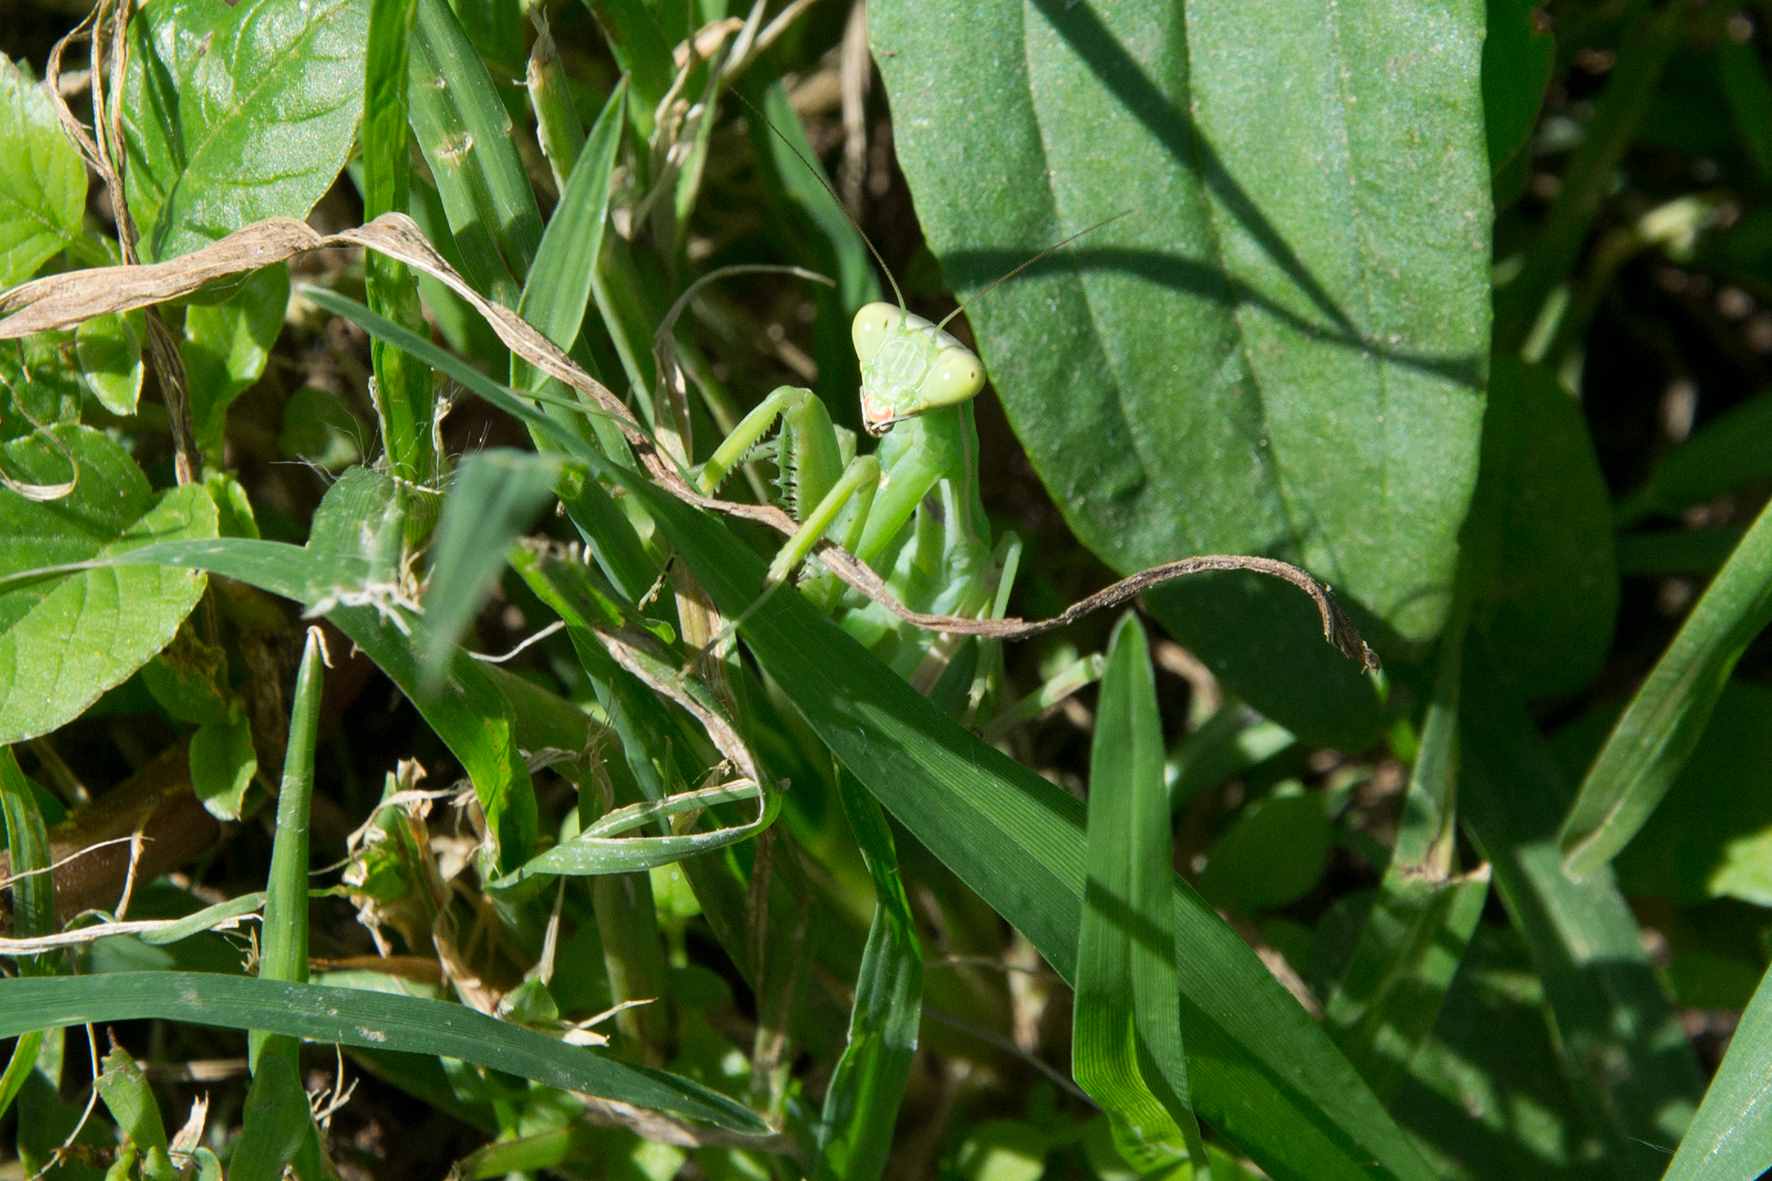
909	366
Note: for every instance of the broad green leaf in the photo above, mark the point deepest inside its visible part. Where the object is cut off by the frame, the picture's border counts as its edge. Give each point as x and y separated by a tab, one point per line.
1664	721
189	679
1731	1136
223	763
66	639
357	1017
1518	56
1273	854
1126	1043
39	383
226	346
1619	1042
1279	349
42	178
319	428
347	573
1749	91
233	113
109	349
1548	602
1722	455
1712	836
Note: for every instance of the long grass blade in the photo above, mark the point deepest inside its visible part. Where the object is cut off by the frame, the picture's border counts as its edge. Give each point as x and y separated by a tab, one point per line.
868	1085
33	902
1620	1043
278	1122
1126	1040
1662	725
1388	998
1731	1136
358	1017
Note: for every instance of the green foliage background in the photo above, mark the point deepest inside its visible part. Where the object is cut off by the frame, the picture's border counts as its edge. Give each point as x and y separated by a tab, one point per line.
1460	308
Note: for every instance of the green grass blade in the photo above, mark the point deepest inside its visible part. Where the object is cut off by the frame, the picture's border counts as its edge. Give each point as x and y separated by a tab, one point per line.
1260	1070
203	920
1620	1043
495	496
861	1105
1724	454
599	850
358	1017
641	50
558	128
559	285
464	132
27	842
285	952
278	1122
126	1095
1731	1136
1126	1042
403	389
33	901
1664	721
1630	87
1386	1002
554	300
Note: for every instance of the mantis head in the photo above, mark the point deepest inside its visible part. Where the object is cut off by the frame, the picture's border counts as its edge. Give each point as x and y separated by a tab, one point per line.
909	366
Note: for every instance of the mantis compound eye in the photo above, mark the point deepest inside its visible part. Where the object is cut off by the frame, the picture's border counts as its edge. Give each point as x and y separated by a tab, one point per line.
956	376
871	327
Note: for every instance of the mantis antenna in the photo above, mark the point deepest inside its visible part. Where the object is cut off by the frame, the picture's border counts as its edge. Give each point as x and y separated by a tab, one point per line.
1022	266
818	175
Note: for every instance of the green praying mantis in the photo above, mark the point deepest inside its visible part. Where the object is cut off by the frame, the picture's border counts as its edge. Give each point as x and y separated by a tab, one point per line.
911	511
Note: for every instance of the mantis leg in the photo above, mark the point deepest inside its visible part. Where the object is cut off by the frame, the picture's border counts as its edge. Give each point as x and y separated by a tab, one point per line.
812	467
809	447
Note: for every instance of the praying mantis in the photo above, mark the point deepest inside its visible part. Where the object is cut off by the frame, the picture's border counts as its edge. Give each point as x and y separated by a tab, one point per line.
911	511
916	383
